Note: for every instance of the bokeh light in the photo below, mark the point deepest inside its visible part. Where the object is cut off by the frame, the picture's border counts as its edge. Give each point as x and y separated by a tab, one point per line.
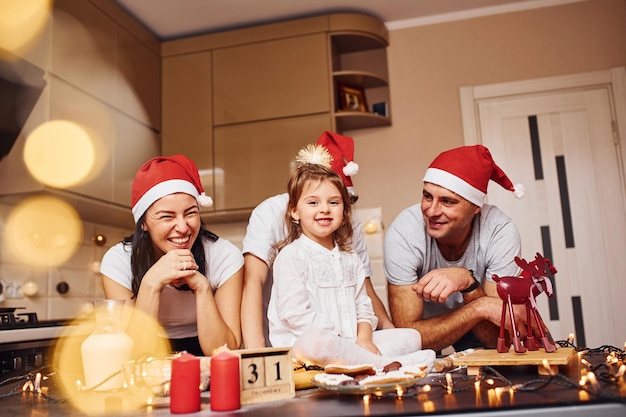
149	339
43	231
21	22
60	153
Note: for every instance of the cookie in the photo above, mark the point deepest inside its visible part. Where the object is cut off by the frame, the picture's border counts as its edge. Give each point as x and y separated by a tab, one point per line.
416	371
332	379
387	378
351	370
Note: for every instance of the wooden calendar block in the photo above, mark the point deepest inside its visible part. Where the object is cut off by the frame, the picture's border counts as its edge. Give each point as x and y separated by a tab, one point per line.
266	374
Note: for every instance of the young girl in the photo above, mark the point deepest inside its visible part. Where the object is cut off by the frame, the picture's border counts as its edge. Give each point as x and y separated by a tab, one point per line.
319	304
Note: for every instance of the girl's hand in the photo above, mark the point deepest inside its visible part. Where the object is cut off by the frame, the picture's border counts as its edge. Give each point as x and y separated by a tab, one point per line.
369	346
364	338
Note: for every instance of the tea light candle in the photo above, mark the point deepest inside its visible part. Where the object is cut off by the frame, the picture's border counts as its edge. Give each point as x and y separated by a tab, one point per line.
449	383
185	385
225	382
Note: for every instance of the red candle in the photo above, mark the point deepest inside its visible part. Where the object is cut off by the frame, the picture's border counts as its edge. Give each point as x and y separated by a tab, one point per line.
225	382
185	385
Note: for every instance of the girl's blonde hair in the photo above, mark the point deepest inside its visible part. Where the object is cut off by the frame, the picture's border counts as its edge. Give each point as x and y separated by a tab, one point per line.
312	174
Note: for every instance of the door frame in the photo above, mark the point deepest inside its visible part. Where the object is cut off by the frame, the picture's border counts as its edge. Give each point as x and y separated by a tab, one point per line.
613	81
614	78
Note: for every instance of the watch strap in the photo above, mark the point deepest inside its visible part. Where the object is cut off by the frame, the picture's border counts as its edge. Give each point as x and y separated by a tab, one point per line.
473	286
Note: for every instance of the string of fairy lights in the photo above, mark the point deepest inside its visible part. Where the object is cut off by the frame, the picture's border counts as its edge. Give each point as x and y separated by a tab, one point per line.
603	380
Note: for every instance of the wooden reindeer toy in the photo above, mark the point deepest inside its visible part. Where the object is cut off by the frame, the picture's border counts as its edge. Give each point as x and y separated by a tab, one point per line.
523	289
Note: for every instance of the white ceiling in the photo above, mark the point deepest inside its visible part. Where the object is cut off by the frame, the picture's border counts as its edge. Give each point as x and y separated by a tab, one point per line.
170	19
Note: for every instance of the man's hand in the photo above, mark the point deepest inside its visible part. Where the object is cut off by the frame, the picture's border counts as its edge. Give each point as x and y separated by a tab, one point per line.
438	284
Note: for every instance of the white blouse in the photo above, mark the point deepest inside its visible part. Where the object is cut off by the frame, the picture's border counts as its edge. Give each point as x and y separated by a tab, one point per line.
317	287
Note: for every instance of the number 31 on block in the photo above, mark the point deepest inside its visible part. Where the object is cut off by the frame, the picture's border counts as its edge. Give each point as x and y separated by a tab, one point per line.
266	374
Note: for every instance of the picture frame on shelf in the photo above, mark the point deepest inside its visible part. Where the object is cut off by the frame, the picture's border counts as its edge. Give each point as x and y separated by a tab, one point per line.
351	98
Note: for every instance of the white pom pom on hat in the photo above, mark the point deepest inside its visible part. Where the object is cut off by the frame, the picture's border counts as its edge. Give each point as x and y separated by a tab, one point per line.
466	171
165	175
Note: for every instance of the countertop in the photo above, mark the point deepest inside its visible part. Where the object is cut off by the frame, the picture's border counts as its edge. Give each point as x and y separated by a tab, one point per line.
557	394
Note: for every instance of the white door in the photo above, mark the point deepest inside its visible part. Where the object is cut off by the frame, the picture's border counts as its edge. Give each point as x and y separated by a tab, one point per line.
562	147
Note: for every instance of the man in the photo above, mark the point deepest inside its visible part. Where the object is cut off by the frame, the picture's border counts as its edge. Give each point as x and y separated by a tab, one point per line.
266	228
446	249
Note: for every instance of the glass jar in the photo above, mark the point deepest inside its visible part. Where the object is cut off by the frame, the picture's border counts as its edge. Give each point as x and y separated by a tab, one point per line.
107	348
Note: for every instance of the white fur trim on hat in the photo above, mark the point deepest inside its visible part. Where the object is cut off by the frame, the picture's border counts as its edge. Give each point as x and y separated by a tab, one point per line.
520	191
161	190
351	168
455	184
204	200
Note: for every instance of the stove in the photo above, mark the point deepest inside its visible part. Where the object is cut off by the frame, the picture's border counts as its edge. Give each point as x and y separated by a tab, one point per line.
26	343
10	319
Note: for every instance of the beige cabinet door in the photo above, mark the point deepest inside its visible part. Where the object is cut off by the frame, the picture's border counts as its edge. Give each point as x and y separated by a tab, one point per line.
187	114
96	121
268	80
134	144
254	159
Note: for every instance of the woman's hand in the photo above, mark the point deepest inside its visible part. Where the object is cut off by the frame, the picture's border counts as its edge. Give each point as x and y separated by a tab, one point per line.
173	268
197	282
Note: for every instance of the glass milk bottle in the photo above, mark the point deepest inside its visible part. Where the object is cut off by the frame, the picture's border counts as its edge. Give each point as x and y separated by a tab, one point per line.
107	348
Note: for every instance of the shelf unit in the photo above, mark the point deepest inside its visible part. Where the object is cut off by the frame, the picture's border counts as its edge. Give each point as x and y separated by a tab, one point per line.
359	61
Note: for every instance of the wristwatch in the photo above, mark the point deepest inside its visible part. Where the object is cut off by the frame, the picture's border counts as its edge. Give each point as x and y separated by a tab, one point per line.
474	285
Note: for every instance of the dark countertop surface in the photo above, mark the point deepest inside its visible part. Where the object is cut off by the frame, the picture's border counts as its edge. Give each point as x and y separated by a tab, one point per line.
559	395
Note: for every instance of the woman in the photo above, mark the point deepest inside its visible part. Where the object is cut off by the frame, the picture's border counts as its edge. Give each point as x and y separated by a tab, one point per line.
172	269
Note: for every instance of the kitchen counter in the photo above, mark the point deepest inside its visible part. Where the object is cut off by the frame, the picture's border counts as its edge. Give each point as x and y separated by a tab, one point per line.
558	394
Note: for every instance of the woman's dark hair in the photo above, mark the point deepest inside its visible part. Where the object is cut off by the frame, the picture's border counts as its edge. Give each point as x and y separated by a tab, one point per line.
142	256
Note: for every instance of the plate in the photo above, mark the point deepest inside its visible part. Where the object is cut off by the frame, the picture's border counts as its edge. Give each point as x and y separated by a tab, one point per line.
375	389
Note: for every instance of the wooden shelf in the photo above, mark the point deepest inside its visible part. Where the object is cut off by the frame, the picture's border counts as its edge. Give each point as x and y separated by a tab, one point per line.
350	120
361	79
347	42
359	61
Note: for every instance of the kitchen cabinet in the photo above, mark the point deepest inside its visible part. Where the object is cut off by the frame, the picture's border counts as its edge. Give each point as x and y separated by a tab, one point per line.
121	146
359	60
105	77
91	50
272	79
255	159
188	111
106	62
241	103
82	48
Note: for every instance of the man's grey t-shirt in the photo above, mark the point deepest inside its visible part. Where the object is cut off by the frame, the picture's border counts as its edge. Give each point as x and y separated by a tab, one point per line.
409	253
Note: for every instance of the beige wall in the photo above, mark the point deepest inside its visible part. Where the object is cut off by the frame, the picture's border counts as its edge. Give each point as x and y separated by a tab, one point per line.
428	65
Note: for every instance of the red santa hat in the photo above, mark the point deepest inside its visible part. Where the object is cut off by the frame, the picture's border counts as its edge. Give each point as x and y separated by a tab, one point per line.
165	175
466	171
341	148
